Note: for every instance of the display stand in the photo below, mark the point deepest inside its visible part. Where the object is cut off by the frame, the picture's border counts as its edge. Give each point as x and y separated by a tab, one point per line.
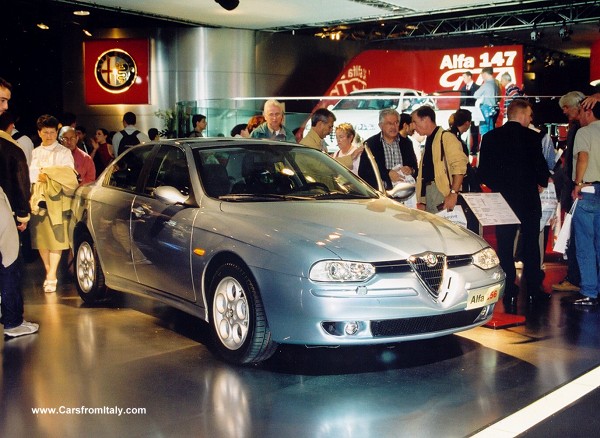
492	209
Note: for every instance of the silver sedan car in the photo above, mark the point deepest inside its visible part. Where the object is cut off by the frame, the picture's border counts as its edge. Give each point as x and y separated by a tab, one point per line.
273	243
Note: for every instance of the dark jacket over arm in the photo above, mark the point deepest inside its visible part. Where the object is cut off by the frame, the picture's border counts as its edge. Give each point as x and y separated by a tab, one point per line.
14	178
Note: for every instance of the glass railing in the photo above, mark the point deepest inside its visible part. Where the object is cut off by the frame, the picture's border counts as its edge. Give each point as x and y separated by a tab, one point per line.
223	114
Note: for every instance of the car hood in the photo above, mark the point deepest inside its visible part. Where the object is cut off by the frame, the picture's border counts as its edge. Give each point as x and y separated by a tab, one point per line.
369	230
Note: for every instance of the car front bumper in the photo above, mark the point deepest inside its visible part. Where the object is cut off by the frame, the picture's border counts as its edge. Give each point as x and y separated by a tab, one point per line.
388	308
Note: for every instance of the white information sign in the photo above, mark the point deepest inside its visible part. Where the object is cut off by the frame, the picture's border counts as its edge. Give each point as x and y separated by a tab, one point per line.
490	209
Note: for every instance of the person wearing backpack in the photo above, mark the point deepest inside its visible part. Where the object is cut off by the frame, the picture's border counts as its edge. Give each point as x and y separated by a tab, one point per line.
129	136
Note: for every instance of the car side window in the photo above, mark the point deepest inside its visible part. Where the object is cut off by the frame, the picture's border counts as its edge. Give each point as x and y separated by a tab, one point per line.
409	100
169	168
126	170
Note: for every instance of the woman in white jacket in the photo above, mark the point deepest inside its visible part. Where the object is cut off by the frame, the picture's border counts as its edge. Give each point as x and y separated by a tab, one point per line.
48	234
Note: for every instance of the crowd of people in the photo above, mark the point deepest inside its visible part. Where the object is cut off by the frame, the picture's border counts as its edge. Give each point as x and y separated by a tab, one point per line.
516	159
38	177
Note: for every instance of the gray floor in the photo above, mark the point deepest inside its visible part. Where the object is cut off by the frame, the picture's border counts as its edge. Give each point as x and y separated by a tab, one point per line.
136	354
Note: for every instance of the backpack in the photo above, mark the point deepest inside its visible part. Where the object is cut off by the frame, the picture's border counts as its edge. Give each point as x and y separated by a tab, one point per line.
128	140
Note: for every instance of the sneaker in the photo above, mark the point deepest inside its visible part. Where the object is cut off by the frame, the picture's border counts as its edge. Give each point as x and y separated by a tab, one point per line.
565	286
26	328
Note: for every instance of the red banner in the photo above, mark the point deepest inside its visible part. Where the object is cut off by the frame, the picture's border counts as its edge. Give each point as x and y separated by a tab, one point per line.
431	71
116	71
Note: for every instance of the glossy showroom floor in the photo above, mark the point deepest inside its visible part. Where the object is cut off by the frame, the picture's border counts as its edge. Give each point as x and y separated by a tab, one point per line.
139	355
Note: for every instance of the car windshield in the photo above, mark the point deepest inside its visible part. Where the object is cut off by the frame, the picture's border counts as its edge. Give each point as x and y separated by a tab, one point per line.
367	102
266	172
408	100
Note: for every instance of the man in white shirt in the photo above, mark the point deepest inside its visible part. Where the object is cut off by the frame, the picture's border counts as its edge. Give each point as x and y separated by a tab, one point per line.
586	175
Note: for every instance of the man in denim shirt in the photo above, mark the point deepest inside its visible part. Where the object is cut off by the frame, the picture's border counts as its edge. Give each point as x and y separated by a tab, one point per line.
488	92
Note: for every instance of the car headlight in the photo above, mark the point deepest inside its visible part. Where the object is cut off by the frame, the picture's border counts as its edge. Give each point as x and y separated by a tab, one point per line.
340	270
486	259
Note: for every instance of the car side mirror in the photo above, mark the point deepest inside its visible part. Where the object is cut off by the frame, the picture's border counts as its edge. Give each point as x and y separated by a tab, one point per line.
401	191
170	195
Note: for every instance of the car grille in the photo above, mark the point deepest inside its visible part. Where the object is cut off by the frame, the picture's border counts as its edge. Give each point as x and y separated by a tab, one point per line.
423	324
429	267
397	266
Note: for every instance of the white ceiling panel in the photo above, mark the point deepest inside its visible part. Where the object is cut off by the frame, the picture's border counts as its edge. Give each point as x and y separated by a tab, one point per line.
268	14
509	18
250	14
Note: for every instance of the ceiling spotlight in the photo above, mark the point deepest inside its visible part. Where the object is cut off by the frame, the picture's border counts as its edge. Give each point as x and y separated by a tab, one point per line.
87	32
81	13
43	26
535	34
564	32
230	5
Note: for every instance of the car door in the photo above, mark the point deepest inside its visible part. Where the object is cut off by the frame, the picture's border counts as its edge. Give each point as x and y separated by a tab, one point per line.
110	213
160	232
401	191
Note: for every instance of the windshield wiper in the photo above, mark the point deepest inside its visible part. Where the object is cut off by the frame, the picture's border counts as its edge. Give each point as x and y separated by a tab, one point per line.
340	195
257	197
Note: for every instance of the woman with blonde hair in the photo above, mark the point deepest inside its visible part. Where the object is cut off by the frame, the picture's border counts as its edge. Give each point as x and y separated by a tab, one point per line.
348	154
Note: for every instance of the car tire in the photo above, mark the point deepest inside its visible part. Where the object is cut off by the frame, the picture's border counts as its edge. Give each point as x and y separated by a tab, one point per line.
89	278
238	322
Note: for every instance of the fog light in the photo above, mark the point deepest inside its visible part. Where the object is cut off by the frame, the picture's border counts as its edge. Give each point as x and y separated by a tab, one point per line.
343	328
351	328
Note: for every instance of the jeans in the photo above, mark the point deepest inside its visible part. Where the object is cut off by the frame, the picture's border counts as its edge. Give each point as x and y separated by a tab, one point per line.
490	115
572	266
586	225
12	300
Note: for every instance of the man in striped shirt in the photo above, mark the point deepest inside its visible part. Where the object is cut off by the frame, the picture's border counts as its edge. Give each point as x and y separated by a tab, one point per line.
510	90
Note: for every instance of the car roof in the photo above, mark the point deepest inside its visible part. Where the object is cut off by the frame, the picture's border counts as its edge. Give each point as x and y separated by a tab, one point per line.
210	142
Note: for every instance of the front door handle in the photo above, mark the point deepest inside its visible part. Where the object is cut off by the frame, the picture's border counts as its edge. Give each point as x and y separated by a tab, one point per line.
138	212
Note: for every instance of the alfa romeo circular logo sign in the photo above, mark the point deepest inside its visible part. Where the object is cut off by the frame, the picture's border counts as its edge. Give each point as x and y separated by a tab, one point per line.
115	71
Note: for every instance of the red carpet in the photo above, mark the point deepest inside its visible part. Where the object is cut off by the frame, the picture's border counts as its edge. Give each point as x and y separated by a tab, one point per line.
502	320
